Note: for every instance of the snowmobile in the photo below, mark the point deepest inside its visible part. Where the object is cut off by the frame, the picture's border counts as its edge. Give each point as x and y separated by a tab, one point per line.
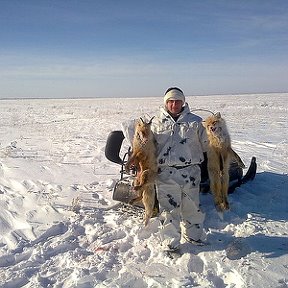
123	190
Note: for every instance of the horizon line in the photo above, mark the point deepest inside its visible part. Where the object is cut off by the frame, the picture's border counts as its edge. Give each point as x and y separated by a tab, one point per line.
135	97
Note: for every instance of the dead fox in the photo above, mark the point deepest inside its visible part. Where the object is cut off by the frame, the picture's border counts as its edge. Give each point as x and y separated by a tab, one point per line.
219	155
143	158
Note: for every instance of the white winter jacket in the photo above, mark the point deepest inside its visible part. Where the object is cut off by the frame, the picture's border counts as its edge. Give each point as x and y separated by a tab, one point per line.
179	143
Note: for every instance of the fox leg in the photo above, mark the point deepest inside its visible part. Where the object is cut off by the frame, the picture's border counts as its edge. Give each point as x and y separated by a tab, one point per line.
148	201
224	205
130	161
215	186
145	177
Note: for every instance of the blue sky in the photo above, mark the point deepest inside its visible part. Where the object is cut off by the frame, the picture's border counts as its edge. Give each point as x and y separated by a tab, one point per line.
106	48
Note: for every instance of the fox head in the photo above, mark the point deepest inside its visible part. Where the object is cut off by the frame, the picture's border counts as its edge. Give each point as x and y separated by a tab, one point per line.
143	131
214	124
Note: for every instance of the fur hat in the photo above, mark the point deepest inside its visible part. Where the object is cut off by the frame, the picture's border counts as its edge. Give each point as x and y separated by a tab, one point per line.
174	93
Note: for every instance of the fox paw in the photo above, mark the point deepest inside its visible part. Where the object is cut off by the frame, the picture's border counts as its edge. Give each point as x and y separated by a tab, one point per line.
223	206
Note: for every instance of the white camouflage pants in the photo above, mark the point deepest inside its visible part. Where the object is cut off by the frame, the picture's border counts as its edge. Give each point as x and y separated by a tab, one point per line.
178	196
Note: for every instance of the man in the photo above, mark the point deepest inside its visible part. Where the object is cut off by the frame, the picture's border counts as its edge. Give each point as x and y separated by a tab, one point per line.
181	140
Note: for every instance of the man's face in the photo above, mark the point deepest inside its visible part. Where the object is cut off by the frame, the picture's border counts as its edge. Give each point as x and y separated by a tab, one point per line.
174	107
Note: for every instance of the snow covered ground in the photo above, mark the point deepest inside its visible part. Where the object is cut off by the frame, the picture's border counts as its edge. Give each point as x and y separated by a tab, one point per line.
59	226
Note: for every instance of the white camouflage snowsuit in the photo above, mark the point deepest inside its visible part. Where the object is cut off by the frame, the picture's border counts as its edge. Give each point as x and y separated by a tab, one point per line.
180	147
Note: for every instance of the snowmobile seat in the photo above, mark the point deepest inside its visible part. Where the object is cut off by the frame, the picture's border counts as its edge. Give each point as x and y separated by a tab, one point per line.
113	146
